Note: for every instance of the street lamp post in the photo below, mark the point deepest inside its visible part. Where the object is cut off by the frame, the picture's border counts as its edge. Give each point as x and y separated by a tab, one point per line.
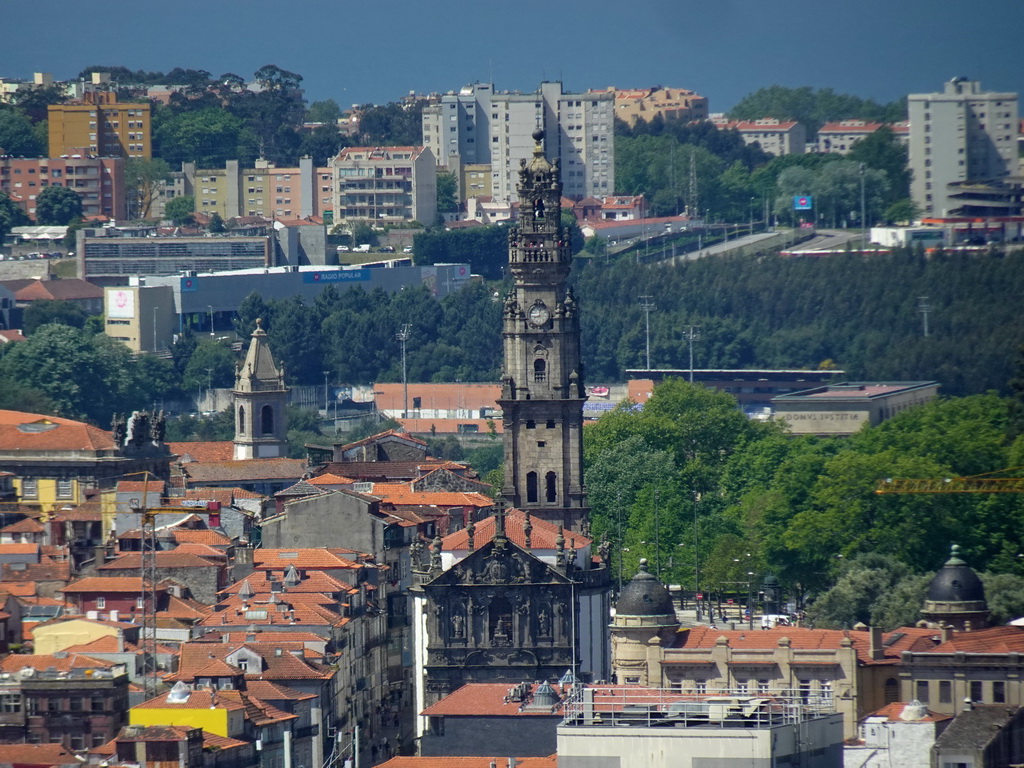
863	219
326	403
210	307
647	306
750	599
403	336
155	310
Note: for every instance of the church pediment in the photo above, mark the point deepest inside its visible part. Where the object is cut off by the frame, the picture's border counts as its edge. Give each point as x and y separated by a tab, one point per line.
499	564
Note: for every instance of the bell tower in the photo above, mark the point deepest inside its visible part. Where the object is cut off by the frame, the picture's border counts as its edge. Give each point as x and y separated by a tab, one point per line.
260	397
542	385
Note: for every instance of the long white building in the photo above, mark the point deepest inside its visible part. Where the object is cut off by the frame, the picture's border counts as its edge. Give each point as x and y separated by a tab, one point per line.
961	134
482	126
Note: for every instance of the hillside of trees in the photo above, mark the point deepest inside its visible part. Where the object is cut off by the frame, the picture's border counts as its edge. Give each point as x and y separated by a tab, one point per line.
690	483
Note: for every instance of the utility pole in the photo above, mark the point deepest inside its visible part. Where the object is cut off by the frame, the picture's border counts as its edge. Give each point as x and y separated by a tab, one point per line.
403	336
155	310
692	335
325	393
924	308
691	193
647	306
863	221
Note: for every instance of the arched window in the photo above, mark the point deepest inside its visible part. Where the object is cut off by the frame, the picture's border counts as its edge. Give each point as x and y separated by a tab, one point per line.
241	420
892	690
550	481
539	369
531	487
267	420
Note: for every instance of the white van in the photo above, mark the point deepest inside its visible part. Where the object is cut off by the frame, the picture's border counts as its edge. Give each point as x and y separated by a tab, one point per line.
362	248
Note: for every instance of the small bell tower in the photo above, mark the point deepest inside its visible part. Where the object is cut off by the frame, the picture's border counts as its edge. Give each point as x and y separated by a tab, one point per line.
260	397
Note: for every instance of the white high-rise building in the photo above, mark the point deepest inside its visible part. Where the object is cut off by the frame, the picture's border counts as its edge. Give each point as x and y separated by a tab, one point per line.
961	134
483	126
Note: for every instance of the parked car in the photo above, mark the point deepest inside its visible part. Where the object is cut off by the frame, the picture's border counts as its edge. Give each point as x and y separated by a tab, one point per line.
362	248
343	249
387	249
407	249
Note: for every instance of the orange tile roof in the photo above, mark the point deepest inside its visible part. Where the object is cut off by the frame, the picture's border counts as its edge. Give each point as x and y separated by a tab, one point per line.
403	493
380	436
31	431
330	479
219	450
108	584
483	699
803	638
19	549
313	581
544	534
437	396
211	740
444	426
299	614
201	550
19	588
270	691
303	559
1007	639
35	755
108	644
17	661
28	525
895	709
201	698
65	289
165	559
141	486
265	638
194	656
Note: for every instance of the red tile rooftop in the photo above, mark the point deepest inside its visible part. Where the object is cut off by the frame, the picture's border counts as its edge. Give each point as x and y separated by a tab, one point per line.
484	699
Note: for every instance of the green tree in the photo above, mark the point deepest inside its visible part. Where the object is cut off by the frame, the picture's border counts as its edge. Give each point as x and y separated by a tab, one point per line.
83	376
212	364
180	209
883	151
17	136
16	396
11	215
217	223
57	206
303	428
208	137
40	313
322	143
862	583
901	212
326	111
447	192
144	178
252	308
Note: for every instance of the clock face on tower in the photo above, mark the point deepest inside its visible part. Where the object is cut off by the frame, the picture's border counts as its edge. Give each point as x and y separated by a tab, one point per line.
539	315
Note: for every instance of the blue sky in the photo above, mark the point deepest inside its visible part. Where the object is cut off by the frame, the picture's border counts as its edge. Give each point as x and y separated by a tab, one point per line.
358	52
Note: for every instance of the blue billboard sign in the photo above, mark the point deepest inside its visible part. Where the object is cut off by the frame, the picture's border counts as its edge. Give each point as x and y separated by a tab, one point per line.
803	202
337	276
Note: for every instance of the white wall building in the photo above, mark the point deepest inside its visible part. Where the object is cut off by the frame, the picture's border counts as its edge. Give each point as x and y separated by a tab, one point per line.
484	126
961	134
385	185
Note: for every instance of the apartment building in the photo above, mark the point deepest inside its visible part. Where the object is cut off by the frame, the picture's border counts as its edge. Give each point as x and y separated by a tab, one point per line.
385	185
839	137
776	137
101	124
961	134
99	181
263	190
483	126
671	104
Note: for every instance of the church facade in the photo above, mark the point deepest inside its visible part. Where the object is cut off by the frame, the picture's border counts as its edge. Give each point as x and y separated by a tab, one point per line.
520	596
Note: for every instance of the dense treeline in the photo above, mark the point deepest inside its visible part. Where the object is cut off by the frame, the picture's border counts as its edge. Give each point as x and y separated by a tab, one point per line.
858	313
814	108
689	482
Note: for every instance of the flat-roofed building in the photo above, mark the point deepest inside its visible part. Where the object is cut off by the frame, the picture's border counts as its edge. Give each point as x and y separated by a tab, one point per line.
962	134
102	124
99	181
842	409
385	185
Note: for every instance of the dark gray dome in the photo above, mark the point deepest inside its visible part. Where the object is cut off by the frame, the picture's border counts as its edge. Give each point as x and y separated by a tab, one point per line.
644	596
956	582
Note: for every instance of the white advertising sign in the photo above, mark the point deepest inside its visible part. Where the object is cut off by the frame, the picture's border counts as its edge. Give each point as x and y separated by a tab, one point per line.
121	304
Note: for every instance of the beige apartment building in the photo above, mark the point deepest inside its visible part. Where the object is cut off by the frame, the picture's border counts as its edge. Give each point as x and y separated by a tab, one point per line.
102	125
671	104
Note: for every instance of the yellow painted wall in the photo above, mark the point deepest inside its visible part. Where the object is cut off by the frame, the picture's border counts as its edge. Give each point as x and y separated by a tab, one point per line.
56	637
212	720
46	494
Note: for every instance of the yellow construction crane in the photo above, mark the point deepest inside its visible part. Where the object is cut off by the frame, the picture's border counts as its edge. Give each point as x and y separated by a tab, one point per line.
983	483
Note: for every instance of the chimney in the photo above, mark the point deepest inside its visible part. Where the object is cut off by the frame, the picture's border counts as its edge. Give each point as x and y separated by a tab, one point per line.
875	649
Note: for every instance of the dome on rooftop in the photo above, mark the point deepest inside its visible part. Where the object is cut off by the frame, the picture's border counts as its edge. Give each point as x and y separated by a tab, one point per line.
956	582
644	596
